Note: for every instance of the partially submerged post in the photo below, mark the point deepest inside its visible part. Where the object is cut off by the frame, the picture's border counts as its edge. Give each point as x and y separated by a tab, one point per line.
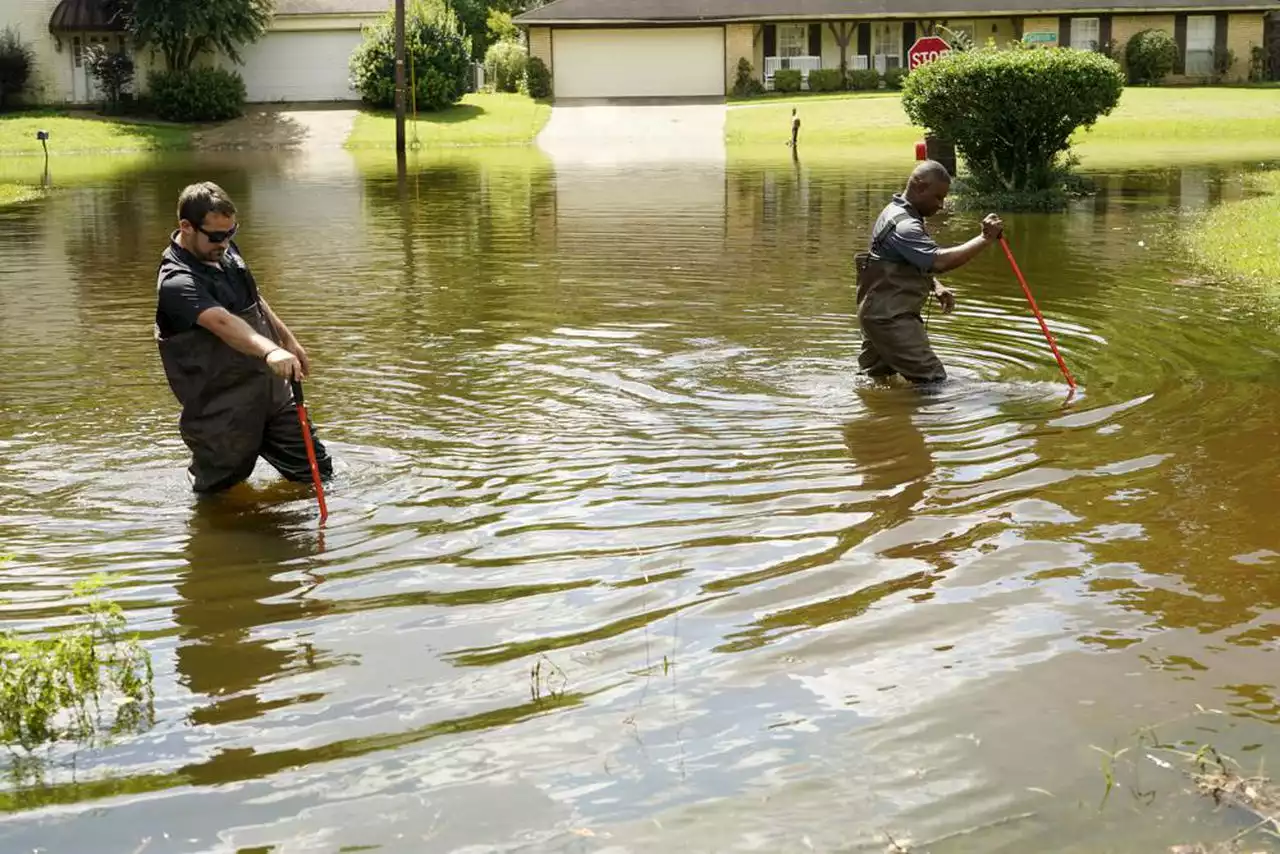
400	78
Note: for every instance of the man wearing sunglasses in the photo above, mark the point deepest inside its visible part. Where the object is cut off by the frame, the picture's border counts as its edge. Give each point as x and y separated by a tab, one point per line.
227	356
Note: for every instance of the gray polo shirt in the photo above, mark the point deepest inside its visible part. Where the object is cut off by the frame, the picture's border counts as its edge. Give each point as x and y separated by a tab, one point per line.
908	243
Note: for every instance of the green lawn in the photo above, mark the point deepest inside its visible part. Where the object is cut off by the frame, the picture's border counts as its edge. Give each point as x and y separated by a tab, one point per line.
480	120
74	134
845	118
1222	242
1225	121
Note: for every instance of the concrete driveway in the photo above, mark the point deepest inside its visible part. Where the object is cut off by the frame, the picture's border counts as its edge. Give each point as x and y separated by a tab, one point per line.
631	131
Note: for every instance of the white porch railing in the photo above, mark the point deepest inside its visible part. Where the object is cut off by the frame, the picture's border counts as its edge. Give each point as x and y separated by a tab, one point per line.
803	64
884	63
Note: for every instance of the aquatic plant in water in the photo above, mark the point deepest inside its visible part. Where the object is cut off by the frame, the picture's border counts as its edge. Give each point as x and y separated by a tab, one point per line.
75	685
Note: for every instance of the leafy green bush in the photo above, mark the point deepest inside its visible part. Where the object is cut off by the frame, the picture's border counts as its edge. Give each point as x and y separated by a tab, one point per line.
17	60
52	688
895	77
437	48
197	94
113	71
745	85
1011	113
1257	64
537	79
1151	56
504	65
1223	62
825	80
957	40
786	80
864	80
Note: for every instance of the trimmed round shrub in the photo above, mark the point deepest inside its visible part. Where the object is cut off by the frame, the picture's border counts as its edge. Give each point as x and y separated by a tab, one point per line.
824	80
894	78
864	80
1011	112
504	65
1151	56
197	94
786	80
537	78
437	55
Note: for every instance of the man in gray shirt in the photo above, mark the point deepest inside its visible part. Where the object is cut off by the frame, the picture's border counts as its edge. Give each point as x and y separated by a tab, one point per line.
896	277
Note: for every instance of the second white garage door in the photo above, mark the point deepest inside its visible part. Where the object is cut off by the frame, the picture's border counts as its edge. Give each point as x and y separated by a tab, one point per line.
630	63
299	66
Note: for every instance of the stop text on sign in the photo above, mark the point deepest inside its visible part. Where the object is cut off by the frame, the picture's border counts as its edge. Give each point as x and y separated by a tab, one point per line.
926	50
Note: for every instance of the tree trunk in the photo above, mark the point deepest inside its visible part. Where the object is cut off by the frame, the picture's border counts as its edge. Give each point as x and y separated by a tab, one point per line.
843	36
998	173
194	47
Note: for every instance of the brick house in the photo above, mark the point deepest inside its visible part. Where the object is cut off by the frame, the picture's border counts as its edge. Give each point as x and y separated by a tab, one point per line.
691	48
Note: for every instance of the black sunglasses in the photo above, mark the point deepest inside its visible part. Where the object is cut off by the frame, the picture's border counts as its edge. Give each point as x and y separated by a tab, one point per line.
220	236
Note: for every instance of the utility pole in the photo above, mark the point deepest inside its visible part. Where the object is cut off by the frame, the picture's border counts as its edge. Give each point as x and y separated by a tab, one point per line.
400	99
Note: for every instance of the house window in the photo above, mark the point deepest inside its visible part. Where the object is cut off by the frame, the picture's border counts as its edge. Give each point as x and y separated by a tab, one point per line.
1201	34
793	39
886	45
77	52
1086	33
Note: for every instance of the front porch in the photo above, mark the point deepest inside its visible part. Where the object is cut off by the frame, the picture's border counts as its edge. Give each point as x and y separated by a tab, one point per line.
856	45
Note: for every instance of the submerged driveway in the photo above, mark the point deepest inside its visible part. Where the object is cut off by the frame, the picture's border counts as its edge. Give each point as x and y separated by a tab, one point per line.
635	131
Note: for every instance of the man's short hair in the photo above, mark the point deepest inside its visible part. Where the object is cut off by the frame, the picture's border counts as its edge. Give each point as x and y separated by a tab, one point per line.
199	200
928	172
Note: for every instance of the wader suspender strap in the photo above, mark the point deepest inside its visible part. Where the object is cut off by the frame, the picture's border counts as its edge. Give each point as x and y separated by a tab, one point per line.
887	230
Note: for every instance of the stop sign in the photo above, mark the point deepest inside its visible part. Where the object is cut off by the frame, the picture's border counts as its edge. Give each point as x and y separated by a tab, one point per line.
926	49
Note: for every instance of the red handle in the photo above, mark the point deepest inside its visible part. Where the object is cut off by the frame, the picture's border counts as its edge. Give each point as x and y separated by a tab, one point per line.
311	450
1043	326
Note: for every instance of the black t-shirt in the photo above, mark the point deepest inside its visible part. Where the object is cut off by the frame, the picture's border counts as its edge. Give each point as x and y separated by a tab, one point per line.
187	286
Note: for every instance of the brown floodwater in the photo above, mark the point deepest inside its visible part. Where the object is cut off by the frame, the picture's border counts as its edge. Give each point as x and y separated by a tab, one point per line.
622	555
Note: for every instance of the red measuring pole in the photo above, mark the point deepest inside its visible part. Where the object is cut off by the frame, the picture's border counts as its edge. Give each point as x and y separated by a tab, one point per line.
311	449
1047	334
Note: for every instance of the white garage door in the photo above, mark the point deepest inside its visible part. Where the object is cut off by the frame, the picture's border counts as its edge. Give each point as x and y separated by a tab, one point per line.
622	63
300	66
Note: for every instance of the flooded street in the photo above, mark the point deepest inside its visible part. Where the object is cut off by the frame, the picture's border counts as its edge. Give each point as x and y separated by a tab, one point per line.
622	556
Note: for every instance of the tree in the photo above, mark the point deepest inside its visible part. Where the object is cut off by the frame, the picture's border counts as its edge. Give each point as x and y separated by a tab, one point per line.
112	70
504	64
1011	112
436	46
184	29
16	62
473	15
501	28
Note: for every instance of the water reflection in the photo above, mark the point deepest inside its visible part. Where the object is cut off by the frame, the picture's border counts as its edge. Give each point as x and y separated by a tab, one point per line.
242	626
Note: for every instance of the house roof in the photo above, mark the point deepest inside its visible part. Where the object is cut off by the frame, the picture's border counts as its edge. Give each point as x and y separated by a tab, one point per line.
81	16
682	11
107	16
332	7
